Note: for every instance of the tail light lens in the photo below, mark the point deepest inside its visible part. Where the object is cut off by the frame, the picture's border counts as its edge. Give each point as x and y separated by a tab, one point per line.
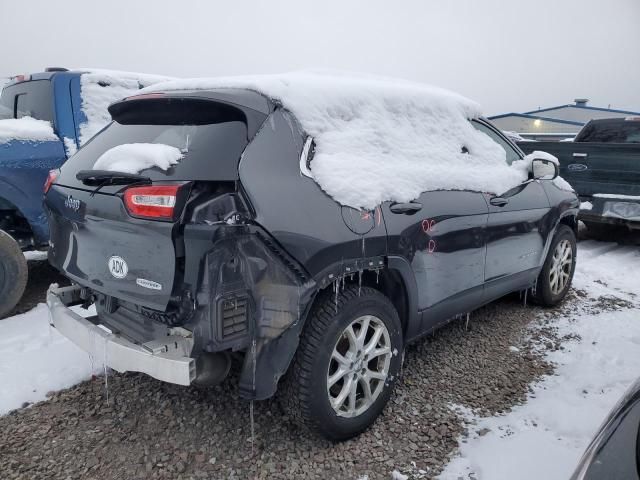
53	174
156	202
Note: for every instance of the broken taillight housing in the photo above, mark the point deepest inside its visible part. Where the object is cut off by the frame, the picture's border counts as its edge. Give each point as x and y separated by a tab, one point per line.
53	174
155	202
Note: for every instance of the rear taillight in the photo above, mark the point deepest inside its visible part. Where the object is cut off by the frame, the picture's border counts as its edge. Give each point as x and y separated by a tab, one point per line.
154	202
53	174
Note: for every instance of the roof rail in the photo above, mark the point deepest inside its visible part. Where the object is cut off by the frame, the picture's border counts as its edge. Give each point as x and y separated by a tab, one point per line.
56	69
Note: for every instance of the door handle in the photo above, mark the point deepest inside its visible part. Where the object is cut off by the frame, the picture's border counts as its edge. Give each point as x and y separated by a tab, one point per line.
498	201
581	155
406	208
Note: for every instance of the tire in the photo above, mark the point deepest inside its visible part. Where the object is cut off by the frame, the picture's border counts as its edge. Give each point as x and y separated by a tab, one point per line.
13	273
305	395
547	292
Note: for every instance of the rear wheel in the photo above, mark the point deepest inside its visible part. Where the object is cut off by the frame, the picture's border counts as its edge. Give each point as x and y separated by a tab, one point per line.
13	273
346	365
556	275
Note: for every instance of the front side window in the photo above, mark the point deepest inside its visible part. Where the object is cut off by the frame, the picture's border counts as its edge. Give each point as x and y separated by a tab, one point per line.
512	154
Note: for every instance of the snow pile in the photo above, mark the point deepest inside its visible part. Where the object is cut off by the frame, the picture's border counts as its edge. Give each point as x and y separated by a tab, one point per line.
27	129
101	88
35	359
586	206
70	146
136	157
380	139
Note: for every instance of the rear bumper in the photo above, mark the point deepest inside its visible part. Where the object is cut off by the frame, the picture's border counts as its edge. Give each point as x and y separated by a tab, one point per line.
166	359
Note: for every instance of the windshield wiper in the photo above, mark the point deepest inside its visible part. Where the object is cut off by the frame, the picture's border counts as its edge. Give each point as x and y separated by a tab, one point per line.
93	178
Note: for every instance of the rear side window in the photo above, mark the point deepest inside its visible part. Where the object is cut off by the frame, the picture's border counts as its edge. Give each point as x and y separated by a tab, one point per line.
512	154
27	99
211	137
610	131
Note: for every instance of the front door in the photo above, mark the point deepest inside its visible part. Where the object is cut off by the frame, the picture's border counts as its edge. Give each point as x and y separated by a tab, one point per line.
516	230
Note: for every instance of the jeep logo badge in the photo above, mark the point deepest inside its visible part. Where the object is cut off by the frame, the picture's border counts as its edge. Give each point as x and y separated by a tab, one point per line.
72	203
118	267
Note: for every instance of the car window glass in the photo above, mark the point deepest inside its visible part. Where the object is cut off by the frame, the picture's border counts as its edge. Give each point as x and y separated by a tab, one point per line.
28	99
6	105
512	154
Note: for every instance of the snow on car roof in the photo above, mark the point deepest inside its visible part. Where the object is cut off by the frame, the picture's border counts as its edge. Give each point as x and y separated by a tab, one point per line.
381	139
100	88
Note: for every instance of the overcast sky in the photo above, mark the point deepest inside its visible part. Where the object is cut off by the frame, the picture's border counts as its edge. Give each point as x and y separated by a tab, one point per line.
510	55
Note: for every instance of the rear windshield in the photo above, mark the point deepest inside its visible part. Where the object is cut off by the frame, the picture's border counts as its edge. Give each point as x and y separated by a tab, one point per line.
211	151
611	131
27	99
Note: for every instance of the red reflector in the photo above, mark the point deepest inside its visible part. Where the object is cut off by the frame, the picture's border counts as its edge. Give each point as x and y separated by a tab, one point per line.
151	201
53	174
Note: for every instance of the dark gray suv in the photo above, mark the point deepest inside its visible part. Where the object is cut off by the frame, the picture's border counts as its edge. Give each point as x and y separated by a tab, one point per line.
235	252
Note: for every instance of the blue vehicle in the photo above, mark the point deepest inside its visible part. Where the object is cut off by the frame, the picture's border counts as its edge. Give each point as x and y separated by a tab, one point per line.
44	118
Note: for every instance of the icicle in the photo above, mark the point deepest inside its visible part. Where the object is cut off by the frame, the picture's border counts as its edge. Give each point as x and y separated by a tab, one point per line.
253	433
359	281
363	255
466	324
525	297
335	289
377	276
253	357
106	373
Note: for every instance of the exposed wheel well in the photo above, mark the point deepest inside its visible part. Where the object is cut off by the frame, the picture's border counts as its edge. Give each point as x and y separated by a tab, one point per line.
387	281
571	221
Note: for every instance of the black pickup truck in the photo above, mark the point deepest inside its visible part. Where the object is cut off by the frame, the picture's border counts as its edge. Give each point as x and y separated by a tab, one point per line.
603	166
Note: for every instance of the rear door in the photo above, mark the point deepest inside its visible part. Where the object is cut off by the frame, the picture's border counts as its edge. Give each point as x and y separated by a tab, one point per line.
517	229
442	235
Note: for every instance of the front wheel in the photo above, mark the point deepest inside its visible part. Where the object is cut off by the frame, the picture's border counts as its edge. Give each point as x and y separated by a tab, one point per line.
556	275
13	273
346	365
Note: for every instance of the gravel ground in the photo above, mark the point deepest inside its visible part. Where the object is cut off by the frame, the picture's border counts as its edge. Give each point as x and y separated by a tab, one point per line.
153	430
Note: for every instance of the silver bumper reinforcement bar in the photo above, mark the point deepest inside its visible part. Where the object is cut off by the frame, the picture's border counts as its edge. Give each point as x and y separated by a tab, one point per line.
166	359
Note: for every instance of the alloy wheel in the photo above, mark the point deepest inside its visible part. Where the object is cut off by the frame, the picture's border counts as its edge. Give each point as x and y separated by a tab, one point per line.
359	366
561	265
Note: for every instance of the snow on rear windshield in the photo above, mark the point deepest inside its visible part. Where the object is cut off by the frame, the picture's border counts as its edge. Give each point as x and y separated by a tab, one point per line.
380	139
136	157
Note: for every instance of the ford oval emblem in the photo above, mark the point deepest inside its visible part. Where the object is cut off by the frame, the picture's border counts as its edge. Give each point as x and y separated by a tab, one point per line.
577	167
118	267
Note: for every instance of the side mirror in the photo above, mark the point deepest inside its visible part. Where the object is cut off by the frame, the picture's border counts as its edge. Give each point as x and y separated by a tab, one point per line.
542	169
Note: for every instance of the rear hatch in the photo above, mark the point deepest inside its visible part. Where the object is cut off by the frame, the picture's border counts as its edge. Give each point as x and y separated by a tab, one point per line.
121	236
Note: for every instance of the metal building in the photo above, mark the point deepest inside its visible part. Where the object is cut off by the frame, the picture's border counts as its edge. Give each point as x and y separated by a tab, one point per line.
555	123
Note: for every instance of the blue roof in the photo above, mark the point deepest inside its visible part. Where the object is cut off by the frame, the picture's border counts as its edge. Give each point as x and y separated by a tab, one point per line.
536	117
584	107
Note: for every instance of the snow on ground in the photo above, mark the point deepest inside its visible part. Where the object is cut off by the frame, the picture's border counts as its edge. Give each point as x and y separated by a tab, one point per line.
27	129
136	157
381	139
546	436
35	359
